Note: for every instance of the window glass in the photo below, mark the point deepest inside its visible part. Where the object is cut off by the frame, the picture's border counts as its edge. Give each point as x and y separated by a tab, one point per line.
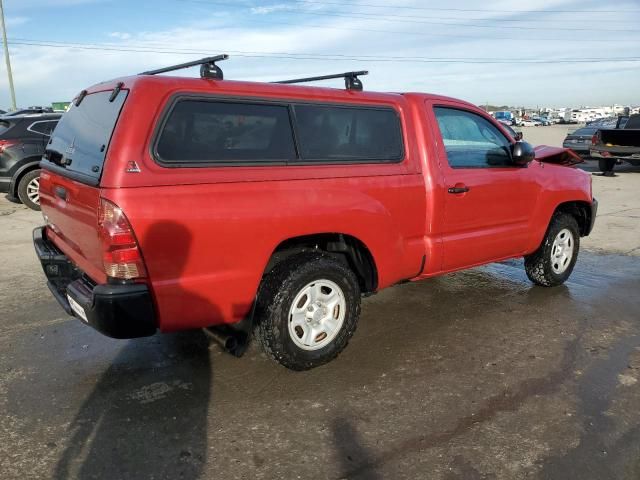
4	126
585	131
471	141
212	131
81	138
43	127
348	134
632	122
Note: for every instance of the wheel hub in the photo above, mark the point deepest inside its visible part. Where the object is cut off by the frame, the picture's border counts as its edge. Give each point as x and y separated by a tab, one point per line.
317	314
33	190
562	251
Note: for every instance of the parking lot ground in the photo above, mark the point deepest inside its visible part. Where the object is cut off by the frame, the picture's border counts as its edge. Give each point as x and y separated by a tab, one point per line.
472	375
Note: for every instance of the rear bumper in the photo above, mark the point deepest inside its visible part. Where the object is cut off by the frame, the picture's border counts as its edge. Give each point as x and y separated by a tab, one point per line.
622	154
118	311
578	148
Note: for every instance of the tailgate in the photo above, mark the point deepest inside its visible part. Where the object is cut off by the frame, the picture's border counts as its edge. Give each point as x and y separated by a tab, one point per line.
71	211
70	180
620	138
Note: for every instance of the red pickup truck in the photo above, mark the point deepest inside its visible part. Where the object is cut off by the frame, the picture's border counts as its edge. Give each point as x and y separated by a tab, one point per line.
254	208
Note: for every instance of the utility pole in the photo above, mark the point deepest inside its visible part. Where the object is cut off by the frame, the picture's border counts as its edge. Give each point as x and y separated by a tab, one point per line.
6	58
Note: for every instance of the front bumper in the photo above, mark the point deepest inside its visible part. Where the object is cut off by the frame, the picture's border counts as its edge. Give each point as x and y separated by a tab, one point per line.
118	310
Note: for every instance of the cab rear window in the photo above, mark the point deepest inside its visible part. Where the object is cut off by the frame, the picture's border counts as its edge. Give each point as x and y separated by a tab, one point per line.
80	141
348	134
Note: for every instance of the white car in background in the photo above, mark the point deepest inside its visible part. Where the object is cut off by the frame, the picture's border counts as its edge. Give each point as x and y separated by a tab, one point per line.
529	123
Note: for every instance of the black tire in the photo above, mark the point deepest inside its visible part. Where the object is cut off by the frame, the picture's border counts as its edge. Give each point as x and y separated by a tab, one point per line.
606	164
279	289
23	186
540	265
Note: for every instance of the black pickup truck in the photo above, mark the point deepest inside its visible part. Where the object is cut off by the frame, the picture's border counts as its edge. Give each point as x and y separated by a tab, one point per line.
620	143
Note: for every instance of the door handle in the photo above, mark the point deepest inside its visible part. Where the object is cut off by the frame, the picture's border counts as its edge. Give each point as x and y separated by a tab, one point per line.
60	192
458	189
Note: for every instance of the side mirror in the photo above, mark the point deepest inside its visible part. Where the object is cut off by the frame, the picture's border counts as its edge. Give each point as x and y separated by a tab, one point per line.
519	136
522	153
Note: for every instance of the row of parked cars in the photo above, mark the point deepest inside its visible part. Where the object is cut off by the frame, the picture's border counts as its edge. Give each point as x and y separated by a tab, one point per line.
24	135
535	122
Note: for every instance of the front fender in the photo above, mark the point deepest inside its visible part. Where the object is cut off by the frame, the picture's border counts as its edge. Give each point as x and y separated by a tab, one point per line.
559	185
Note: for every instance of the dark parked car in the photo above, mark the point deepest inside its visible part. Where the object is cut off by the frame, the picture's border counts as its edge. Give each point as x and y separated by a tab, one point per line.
580	140
23	139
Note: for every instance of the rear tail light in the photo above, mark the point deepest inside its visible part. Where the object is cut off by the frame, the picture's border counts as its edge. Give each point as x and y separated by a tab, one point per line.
8	143
595	139
121	255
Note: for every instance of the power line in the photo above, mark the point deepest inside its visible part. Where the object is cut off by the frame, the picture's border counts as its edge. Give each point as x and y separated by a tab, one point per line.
402	18
171	47
323	57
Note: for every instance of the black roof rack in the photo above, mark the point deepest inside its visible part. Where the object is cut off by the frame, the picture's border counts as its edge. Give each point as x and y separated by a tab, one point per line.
351	80
208	67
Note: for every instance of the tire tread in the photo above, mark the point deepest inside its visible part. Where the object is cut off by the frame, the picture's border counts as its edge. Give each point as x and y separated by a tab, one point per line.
271	299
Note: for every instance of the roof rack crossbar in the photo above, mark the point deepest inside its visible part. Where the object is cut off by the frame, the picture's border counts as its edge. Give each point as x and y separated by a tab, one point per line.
208	67
351	80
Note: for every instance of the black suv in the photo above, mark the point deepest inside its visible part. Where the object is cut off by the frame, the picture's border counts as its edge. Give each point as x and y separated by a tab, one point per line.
23	139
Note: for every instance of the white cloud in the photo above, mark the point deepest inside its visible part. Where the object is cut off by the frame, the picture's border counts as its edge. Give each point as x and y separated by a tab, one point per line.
270	9
120	35
38	4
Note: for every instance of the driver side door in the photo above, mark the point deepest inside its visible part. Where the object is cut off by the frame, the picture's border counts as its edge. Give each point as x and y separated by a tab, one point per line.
488	199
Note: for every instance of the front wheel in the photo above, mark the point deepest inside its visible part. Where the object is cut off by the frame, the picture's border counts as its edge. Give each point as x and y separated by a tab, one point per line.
307	310
554	260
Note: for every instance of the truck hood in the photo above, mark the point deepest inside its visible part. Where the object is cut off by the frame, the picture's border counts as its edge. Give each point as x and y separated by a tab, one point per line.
557	155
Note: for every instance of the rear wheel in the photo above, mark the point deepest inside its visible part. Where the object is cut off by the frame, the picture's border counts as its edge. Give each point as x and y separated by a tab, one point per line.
29	189
554	260
606	165
307	310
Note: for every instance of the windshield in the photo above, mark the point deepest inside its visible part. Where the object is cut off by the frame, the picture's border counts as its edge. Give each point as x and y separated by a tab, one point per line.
80	141
585	131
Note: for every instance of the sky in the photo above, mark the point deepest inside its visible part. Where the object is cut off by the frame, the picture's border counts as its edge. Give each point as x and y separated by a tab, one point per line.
525	53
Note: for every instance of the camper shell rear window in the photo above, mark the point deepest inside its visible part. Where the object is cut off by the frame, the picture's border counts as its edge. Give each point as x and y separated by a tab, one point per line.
80	141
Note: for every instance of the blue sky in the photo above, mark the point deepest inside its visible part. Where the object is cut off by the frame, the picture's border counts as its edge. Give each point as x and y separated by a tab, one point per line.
496	51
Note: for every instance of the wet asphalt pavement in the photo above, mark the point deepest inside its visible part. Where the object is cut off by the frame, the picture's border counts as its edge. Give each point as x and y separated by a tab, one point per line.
475	375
